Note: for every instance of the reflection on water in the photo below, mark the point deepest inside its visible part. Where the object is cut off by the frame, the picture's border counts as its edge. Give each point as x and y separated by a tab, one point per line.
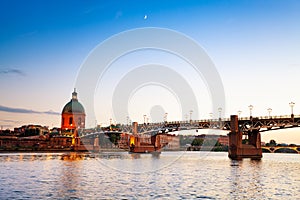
71	179
246	178
170	175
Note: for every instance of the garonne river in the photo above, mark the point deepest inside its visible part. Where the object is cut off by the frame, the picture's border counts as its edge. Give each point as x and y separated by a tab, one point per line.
170	175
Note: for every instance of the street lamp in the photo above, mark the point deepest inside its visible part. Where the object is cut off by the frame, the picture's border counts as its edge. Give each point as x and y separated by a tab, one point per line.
292	104
269	110
127	120
145	118
166	117
239	113
250	108
191	112
220	111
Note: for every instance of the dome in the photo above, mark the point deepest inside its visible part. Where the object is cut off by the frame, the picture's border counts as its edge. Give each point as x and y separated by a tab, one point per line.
73	107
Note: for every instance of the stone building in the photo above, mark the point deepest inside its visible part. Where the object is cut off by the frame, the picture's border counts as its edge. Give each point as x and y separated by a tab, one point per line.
72	116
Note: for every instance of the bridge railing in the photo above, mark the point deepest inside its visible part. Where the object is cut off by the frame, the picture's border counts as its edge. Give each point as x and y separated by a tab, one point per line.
228	119
213	120
270	117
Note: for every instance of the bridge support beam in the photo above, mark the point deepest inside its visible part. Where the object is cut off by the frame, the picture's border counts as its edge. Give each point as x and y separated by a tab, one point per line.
134	128
237	150
96	144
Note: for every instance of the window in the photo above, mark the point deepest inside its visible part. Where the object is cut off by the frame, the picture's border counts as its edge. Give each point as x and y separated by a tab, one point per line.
70	120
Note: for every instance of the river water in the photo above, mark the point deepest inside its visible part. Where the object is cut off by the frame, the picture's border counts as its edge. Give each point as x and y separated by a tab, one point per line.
170	175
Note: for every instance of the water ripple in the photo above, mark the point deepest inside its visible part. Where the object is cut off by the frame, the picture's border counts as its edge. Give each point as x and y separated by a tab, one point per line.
112	176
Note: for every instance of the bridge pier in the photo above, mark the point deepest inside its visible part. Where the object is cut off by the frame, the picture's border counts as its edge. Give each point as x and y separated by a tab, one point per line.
237	150
134	128
96	146
138	145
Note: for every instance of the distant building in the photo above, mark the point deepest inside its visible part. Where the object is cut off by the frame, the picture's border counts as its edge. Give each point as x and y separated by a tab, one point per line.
173	142
72	116
31	130
37	137
223	140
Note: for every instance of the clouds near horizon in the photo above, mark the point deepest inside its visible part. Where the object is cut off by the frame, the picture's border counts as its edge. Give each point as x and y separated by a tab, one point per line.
26	111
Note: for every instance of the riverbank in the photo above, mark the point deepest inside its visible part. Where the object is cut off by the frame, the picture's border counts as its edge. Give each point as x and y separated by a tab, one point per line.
103	150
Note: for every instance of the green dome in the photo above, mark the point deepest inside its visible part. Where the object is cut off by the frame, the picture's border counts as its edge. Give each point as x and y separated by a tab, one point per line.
73	107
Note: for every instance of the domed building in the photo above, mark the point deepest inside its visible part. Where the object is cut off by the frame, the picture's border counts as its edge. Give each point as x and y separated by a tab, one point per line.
73	115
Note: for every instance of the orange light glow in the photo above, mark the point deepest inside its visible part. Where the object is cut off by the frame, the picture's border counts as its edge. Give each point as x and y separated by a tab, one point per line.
131	140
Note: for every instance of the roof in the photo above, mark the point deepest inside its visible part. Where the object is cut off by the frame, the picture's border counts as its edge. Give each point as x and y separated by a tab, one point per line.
73	106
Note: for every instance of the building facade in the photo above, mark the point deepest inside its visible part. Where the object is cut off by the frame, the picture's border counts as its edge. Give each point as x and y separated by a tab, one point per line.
72	116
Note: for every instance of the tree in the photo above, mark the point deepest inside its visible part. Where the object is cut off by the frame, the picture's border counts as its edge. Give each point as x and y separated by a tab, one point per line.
197	142
272	143
184	140
114	138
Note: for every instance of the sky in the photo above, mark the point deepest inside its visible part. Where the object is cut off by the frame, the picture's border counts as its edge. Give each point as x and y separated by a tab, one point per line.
254	46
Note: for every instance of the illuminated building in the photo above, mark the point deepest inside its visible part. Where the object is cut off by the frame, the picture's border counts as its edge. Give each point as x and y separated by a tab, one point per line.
72	116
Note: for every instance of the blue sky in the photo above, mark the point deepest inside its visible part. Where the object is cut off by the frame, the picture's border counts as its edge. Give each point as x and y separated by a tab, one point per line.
254	45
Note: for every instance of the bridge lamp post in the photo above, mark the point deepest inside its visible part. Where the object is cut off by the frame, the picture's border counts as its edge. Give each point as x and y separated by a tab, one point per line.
211	115
269	110
250	108
144	118
239	113
127	120
292	104
186	117
110	123
220	112
191	112
166	117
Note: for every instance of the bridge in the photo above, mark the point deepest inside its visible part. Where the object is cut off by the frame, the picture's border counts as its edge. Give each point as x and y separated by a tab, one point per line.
250	128
246	125
281	149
